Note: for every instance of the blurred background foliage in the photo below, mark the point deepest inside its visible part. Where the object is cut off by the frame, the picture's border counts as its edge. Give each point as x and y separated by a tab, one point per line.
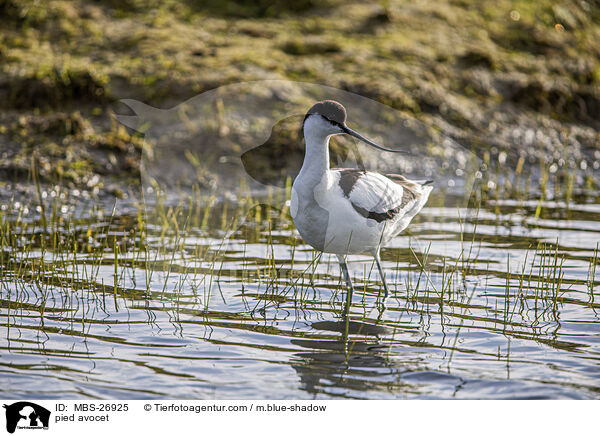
488	74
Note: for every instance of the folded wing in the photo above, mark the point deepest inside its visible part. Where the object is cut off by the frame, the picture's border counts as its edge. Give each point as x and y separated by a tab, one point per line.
379	197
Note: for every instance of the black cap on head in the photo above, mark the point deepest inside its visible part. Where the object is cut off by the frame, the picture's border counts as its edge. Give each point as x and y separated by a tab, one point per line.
329	109
336	114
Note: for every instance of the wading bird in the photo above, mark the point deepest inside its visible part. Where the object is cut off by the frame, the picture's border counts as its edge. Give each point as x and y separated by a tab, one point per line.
348	211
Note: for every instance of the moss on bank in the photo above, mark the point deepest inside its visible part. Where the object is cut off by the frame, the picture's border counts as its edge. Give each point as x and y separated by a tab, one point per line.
478	71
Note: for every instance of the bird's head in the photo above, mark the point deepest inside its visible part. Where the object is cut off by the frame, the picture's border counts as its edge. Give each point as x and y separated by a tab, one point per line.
328	118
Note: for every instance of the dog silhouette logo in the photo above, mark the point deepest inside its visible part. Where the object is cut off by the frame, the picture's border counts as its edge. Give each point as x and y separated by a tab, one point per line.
26	415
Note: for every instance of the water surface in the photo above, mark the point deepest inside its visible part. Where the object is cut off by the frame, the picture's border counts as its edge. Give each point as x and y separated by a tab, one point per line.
484	305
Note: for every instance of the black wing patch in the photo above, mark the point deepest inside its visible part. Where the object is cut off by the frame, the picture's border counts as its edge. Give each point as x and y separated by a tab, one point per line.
348	179
408	195
377	216
409	192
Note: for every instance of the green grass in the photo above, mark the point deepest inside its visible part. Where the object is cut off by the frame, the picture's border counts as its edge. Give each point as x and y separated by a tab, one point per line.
93	257
65	64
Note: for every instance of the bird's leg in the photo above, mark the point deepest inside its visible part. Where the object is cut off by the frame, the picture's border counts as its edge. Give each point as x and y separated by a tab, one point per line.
381	275
344	268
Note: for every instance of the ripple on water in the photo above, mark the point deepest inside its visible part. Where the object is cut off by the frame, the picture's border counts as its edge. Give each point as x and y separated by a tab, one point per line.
264	320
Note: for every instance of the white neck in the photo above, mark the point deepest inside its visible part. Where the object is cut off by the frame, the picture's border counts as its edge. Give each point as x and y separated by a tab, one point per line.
316	156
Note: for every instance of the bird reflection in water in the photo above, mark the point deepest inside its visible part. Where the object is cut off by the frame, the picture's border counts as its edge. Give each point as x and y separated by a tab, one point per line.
353	356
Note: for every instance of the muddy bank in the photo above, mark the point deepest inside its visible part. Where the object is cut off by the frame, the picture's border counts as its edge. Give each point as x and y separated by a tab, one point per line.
514	83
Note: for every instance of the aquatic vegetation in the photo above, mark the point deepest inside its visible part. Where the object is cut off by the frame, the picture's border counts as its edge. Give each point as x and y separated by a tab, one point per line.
522	73
181	275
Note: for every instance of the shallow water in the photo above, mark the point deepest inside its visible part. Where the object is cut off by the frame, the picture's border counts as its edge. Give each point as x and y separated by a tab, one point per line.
497	311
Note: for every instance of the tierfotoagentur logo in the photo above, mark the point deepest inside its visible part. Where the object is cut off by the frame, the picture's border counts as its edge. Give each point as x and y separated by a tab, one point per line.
26	415
244	144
